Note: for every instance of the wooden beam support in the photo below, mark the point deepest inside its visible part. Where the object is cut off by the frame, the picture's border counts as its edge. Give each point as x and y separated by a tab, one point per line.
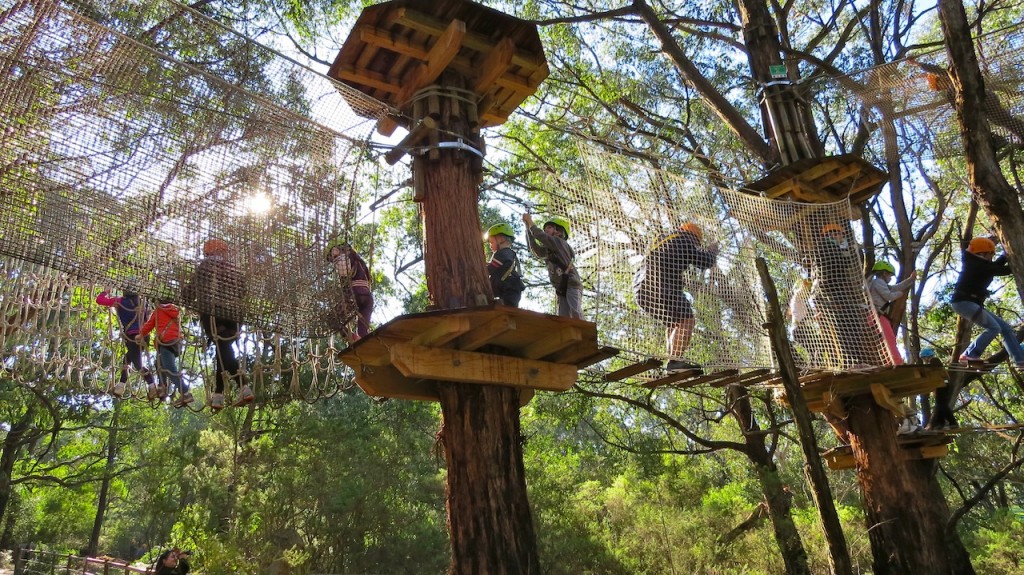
634	369
441	55
416	361
485	333
885	399
474	41
445	330
494	65
553	343
411	140
369	78
386	381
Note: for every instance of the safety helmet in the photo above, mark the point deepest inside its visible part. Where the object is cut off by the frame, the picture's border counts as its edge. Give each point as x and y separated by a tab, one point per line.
500	229
883	267
981	245
832	228
215	247
335	243
561	222
693	229
926	353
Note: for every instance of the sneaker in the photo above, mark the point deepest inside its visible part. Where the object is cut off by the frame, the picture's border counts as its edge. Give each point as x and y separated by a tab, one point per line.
161	391
908	427
117	390
245	395
151	392
680	366
964	358
217	401
184	400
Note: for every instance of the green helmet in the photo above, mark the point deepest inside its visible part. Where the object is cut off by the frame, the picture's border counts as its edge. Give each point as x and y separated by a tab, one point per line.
500	229
561	222
883	267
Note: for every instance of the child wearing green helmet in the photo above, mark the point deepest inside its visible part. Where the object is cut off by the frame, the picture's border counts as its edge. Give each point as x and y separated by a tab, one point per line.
882	298
504	268
551	245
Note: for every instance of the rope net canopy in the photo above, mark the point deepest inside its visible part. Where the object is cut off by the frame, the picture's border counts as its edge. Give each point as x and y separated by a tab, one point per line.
655	248
915	97
122	153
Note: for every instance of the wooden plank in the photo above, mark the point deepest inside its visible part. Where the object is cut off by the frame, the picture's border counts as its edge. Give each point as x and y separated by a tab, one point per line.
603	353
386	126
383	38
369	78
386	381
782	188
818	170
584	354
525	395
553	343
634	369
837	176
494	65
473	40
671	379
886	399
417	361
441	54
928	452
755	376
485	333
841	461
445	330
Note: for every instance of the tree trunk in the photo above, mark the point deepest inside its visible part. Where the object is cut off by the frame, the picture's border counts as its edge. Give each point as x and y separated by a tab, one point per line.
839	553
904	504
15	438
489	517
993	192
108	474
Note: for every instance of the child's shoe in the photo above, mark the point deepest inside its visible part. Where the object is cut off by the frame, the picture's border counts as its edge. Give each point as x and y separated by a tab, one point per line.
217	401
152	392
245	396
184	400
117	390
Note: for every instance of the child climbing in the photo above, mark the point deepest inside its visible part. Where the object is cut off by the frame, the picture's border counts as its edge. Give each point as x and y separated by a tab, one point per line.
968	301
551	244
504	268
354	275
659	287
131	313
218	292
165	321
882	298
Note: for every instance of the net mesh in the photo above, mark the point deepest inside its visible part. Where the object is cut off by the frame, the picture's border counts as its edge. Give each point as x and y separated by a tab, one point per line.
123	152
647	272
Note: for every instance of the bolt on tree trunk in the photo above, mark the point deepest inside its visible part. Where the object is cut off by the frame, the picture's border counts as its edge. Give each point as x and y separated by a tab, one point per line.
489	517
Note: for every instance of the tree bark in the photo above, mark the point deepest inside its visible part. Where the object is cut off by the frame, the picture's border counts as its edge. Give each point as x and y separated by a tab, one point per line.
489	517
905	508
839	553
108	475
16	437
999	199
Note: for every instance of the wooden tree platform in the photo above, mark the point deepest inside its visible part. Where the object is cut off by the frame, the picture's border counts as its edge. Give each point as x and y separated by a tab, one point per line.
823	180
397	48
524	349
824	390
926	445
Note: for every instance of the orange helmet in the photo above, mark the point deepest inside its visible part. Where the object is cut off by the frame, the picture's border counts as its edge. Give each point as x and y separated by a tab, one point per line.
693	229
981	246
215	247
832	228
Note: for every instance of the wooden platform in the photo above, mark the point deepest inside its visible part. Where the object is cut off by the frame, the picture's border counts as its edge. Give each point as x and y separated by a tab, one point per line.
528	350
927	445
397	48
823	180
888	385
649	374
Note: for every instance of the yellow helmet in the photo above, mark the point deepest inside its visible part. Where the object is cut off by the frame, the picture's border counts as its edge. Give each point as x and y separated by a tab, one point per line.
561	222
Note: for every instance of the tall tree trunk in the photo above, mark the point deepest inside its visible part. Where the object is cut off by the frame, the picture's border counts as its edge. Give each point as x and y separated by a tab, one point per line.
16	437
999	199
839	553
108	476
489	517
905	507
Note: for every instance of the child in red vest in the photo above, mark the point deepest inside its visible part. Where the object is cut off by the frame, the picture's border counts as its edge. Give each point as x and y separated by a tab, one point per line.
166	323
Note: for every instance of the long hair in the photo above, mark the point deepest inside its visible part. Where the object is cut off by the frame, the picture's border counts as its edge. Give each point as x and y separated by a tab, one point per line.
160	560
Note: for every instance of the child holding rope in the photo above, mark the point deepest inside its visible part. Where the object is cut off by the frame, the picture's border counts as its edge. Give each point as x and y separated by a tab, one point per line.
551	244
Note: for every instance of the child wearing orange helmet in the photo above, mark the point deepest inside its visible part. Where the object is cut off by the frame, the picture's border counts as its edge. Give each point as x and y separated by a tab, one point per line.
968	301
